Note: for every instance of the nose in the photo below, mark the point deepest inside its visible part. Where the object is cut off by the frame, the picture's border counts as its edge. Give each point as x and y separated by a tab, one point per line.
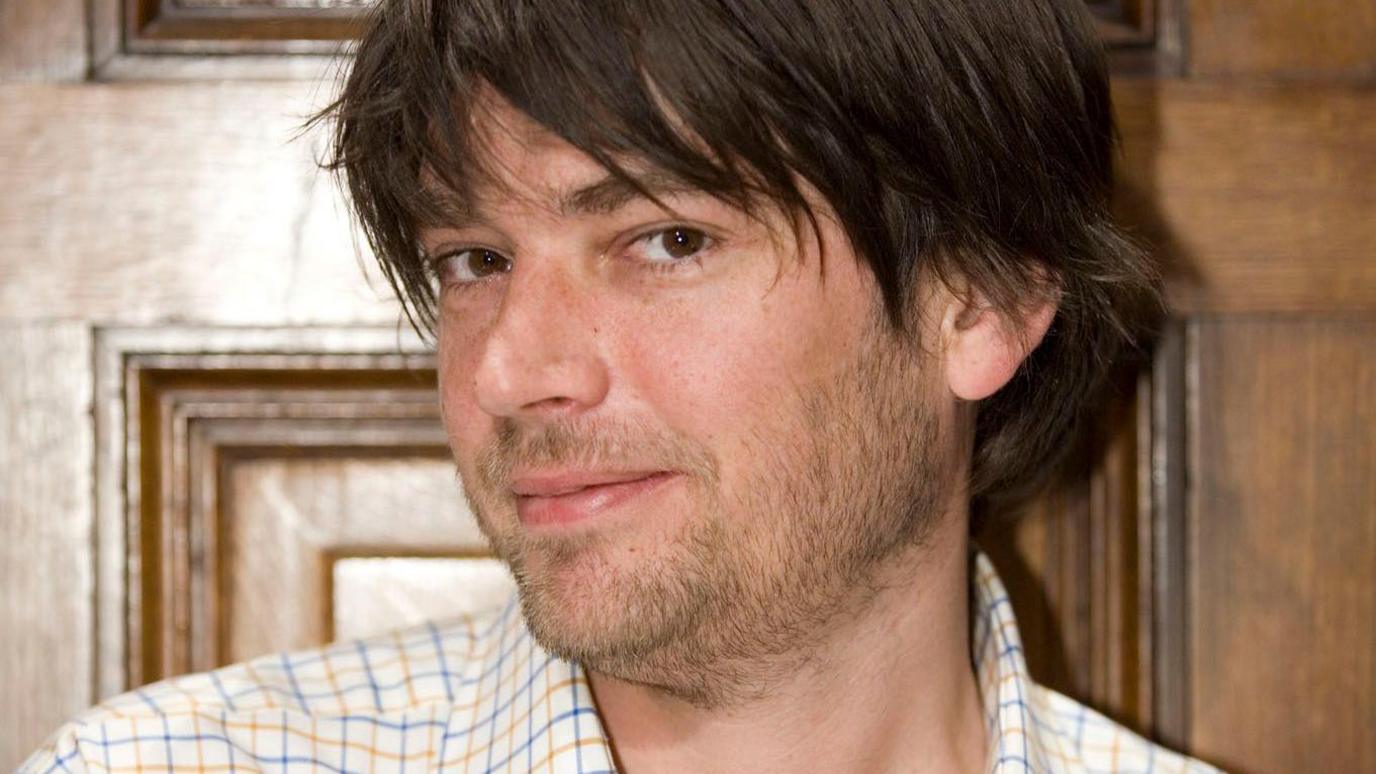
541	357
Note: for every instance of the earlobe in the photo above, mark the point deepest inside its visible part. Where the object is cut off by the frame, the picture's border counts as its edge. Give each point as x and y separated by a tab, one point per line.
983	348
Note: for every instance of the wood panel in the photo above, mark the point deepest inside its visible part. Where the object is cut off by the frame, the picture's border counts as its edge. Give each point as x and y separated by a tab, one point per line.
192	552
1080	570
265	475
235	26
195	419
1283	594
172	405
369	595
1286	38
46	560
1259	196
170	39
1126	22
146	203
331	546
43	41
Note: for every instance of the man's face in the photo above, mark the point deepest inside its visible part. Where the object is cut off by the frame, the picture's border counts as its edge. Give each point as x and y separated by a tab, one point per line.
693	442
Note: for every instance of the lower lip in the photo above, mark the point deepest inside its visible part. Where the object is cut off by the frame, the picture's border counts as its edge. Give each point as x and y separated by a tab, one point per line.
594	501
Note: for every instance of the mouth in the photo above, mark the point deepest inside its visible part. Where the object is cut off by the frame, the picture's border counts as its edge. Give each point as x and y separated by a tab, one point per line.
568	499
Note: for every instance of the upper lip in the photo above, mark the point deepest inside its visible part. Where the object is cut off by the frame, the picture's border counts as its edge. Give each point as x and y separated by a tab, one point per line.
555	483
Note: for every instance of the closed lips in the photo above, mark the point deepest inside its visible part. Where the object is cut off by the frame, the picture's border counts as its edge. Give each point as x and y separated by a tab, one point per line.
554	485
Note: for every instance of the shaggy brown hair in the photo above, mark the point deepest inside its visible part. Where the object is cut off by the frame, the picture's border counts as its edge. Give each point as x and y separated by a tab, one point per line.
967	139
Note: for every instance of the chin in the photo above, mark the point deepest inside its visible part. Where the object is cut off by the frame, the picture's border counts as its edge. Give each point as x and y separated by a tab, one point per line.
600	605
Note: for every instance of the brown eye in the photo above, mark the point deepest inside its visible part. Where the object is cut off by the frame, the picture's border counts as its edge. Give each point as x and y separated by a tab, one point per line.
675	243
484	262
467	266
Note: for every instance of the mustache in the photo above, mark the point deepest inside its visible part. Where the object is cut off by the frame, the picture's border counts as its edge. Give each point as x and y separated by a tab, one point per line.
593	444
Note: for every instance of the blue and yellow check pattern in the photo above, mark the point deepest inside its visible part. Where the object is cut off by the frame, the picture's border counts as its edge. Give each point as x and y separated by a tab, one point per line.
480	695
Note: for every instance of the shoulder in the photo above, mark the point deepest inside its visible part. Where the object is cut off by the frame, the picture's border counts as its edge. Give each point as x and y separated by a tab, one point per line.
1079	739
390	683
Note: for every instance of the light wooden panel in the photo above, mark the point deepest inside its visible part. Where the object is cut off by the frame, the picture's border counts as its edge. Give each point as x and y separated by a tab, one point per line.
173	406
1289	38
1283	595
43	41
265	475
191	202
1260	196
305	537
374	594
196	416
46	563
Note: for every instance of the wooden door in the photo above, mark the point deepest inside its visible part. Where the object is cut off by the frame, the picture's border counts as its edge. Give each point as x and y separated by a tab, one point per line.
217	441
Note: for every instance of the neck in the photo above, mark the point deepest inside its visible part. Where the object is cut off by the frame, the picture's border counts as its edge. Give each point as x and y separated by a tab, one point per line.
891	689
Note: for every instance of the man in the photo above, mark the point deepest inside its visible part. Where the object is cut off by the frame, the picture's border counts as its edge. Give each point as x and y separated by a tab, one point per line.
742	310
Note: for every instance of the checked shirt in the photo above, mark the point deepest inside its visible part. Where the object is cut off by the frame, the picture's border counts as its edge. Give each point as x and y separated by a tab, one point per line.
479	695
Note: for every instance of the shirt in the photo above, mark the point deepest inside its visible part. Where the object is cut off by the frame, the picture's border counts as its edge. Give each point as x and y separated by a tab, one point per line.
479	695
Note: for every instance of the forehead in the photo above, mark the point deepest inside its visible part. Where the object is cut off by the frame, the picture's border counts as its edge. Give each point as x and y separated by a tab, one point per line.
502	157
519	158
510	161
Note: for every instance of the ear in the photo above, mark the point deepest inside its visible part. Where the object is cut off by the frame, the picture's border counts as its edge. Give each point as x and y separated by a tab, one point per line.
983	348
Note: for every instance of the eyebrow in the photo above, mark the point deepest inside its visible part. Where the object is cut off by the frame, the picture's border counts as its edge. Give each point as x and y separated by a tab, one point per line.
611	193
600	197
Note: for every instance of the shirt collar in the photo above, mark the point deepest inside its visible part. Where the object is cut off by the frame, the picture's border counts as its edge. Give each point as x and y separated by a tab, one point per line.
1016	741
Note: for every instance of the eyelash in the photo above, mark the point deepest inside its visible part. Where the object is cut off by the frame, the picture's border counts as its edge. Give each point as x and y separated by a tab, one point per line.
435	266
664	267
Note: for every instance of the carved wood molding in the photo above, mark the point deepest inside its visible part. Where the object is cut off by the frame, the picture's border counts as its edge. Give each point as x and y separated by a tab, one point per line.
241	26
298	38
1126	22
175	410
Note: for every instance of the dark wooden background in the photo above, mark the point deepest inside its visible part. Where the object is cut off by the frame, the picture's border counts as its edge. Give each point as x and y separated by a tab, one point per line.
216	441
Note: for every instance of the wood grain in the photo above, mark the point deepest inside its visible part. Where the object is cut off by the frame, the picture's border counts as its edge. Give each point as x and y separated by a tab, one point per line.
371	595
157	460
1125	22
289	521
185	412
46	564
155	26
1078	566
1259	197
1283	594
142	204
1163	475
43	41
1287	38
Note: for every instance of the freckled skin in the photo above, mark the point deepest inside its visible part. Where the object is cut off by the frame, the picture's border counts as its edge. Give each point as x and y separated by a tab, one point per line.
571	334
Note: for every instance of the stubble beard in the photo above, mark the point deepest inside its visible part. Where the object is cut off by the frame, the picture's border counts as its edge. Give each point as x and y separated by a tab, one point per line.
851	477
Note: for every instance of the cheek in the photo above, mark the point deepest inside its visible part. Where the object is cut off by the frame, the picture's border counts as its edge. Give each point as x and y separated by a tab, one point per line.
464	422
724	369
